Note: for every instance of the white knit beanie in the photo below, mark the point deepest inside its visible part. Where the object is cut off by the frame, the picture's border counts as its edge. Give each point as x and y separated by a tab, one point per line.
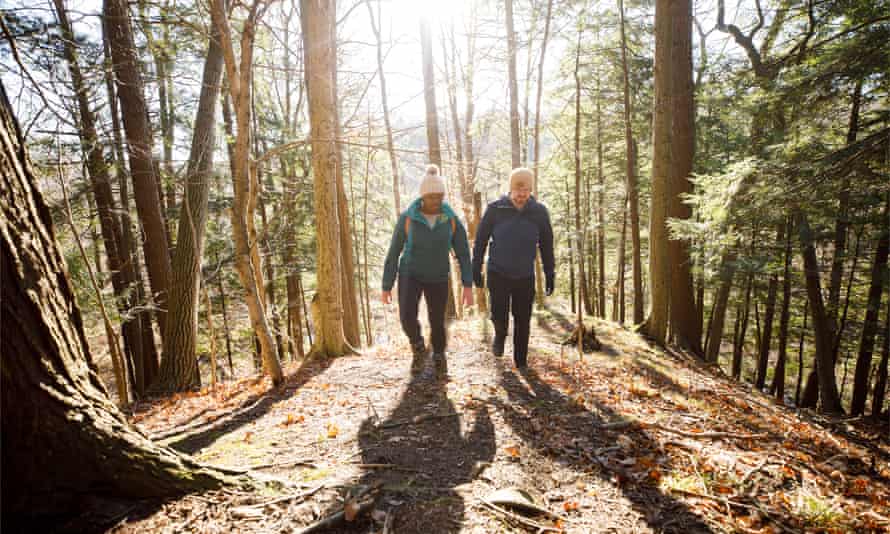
432	182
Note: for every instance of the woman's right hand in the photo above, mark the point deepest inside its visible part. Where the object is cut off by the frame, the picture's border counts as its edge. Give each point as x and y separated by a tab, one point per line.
386	297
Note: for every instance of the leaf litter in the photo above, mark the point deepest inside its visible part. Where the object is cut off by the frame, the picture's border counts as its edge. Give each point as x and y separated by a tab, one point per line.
630	438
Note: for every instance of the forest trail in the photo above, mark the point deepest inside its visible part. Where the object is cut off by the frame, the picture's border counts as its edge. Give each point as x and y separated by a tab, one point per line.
630	440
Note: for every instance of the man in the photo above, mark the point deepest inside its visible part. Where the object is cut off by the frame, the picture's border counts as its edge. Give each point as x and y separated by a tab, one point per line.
516	224
423	237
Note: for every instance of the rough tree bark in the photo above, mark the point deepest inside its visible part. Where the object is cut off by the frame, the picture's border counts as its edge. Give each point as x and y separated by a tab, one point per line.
128	247
778	384
828	393
684	325
579	229
877	400
318	29
631	177
121	269
870	326
768	314
116	17
179	366
659	265
54	404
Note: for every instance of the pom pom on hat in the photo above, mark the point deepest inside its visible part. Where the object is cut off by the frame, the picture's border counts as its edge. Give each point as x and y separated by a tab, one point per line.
432	183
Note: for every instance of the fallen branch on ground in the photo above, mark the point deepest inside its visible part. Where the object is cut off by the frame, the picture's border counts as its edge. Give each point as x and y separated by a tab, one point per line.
707	435
302	496
518	518
305	463
337	518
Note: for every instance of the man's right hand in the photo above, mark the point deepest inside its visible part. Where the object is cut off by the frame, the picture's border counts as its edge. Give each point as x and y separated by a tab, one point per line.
386	297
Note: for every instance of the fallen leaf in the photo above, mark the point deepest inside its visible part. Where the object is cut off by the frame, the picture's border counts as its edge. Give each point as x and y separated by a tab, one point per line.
512	450
332	431
568	506
247	436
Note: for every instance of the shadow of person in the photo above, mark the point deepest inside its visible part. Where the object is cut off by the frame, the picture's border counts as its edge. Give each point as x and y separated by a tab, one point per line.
422	452
561	429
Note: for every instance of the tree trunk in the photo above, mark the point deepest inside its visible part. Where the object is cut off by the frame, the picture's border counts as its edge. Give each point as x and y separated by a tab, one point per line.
870	326
269	265
225	315
319	59
515	150
631	177
718	315
738	345
54	404
685	328
778	384
179	366
659	206
600	206
347	260
828	394
244	180
877	400
842	221
621	269
121	269
803	329
811	390
539	275
116	17
163	65
367	301
769	311
578	237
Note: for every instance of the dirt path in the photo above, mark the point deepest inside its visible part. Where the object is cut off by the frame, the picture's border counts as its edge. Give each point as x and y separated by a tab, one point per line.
629	440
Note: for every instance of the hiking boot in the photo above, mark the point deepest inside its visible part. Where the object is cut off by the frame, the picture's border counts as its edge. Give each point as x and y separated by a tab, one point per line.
419	350
500	336
520	360
440	365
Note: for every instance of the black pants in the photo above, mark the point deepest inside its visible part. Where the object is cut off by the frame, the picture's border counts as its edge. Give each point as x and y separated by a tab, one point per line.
436	295
514	295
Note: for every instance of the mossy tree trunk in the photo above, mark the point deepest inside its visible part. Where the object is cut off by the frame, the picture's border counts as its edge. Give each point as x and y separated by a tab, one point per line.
55	407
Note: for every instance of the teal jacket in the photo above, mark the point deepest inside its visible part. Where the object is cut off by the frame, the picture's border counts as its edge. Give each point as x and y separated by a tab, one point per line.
424	250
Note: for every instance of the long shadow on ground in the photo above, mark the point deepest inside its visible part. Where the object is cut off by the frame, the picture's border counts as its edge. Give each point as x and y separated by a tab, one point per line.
568	434
254	407
419	455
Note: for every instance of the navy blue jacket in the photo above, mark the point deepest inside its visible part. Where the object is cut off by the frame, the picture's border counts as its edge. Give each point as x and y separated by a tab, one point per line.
514	234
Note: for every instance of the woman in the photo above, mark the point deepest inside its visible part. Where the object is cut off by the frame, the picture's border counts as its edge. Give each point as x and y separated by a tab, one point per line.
423	237
516	224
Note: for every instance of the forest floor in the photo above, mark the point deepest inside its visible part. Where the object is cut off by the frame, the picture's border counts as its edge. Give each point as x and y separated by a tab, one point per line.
631	438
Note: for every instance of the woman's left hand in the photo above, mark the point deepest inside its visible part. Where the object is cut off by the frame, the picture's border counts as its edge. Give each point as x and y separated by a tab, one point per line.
468	296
